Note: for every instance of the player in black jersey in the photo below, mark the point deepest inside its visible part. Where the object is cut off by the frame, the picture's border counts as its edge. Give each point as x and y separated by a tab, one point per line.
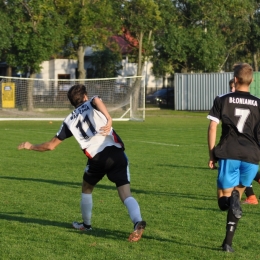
91	125
249	192
238	151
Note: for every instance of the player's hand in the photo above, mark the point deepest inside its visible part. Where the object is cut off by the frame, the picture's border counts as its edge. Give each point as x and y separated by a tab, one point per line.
105	130
25	145
212	165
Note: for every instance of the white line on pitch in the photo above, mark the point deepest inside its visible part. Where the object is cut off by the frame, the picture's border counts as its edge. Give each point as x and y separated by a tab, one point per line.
196	145
159	143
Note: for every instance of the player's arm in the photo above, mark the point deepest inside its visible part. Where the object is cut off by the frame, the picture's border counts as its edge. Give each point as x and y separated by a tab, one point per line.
102	108
47	146
212	133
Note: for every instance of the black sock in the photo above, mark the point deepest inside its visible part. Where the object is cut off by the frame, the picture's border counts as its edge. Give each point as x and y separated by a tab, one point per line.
231	226
257	177
249	191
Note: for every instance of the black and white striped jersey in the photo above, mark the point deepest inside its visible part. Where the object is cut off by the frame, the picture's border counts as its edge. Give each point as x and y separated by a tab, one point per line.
84	124
239	113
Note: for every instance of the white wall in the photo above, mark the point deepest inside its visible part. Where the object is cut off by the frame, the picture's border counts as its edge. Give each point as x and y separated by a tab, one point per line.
51	69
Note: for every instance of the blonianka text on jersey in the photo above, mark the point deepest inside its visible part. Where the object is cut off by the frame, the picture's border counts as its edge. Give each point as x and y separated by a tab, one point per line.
243	101
79	110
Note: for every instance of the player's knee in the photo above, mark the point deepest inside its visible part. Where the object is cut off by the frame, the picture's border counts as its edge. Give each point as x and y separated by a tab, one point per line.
223	203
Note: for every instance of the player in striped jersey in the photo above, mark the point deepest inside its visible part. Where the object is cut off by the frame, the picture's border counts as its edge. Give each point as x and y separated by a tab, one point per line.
91	125
238	151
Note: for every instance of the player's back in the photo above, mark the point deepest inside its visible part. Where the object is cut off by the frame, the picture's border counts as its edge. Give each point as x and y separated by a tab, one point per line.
85	123
240	116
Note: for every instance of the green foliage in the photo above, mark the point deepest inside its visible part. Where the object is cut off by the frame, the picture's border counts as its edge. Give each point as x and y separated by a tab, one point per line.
89	23
37	33
106	63
40	194
5	31
141	18
177	35
200	35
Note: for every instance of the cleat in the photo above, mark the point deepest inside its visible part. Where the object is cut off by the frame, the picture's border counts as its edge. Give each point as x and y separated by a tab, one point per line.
81	226
235	204
227	248
137	234
251	200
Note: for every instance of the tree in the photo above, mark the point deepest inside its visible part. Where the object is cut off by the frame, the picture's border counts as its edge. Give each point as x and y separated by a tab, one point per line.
141	19
198	35
89	23
250	50
5	31
37	33
106	63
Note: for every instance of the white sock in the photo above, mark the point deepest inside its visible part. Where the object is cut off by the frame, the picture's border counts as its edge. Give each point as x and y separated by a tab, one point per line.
133	209
86	205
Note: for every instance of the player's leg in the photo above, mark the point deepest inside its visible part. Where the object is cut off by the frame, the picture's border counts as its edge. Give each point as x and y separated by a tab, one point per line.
247	173
134	212
249	192
250	196
92	175
257	177
86	205
229	197
130	203
233	216
120	175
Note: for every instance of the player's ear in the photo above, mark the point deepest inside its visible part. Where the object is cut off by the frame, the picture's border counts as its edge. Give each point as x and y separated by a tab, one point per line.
85	98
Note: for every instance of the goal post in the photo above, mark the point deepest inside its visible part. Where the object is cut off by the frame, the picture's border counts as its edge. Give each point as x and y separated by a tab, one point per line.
46	99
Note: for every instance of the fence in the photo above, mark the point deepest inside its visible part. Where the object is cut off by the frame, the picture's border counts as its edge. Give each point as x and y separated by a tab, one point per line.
196	92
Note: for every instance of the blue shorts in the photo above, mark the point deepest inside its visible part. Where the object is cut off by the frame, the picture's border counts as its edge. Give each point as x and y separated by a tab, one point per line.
232	173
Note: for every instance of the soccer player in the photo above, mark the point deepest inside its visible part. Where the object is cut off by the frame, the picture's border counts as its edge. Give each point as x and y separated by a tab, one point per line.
238	151
232	85
249	192
91	126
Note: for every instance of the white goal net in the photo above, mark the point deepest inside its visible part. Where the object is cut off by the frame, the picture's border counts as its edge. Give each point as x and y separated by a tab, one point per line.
46	99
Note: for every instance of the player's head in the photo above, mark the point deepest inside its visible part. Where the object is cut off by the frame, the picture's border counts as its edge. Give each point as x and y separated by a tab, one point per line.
232	85
243	74
77	95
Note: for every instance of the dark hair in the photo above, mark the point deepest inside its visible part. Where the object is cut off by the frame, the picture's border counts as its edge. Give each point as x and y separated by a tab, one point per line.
231	82
76	94
244	73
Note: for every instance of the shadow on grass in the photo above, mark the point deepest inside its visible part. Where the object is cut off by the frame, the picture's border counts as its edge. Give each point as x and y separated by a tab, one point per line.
55	182
96	232
110	187
13	216
119	235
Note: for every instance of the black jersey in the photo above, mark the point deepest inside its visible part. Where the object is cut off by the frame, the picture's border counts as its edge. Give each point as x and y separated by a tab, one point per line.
239	113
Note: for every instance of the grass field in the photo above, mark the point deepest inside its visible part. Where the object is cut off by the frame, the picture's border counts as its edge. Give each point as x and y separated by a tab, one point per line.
40	194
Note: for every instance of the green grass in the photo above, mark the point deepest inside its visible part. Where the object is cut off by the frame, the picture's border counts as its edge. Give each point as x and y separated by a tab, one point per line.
40	194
